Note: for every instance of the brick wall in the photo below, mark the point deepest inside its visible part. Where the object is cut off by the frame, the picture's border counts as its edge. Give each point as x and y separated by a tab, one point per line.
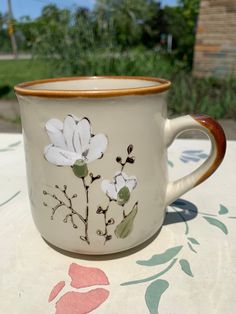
215	48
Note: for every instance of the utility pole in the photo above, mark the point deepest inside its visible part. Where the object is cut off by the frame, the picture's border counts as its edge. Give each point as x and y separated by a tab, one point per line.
169	43
11	29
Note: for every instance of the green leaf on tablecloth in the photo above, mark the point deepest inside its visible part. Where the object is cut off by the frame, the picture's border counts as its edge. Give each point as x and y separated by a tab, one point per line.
217	223
223	210
186	267
161	258
161	273
191	248
14	144
170	163
153	294
125	227
9	199
193	241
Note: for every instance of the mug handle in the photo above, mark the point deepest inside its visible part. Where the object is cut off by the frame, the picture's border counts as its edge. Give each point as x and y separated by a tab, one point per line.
216	135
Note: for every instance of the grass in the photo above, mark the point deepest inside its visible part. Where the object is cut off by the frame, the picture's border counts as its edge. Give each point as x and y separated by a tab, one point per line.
17	71
134	62
188	95
211	96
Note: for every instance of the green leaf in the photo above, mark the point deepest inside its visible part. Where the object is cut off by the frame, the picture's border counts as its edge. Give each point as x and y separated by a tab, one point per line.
123	196
215	222
161	258
191	248
124	228
14	144
223	210
193	241
186	267
80	168
153	294
151	278
8	200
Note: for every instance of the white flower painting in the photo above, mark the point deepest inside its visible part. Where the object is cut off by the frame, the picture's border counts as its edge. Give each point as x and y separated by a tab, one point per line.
72	144
72	140
120	187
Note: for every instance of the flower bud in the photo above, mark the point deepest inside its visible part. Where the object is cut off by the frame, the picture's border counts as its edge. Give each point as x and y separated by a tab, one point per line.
118	159
130	149
99	210
111	221
80	168
108	237
130	160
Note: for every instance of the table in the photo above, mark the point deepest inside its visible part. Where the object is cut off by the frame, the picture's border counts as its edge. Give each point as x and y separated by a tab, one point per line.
190	267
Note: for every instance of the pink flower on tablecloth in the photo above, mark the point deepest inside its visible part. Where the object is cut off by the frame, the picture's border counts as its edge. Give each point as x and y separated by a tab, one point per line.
75	302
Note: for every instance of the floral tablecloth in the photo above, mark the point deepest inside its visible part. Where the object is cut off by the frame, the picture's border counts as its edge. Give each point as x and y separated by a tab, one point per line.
190	267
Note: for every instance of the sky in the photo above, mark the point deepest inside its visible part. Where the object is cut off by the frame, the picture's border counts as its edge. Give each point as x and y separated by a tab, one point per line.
34	7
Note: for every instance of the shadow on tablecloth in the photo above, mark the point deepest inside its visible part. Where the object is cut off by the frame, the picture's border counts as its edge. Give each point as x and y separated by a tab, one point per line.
188	211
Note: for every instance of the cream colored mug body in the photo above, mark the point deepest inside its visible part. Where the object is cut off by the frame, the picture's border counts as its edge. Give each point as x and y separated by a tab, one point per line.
96	157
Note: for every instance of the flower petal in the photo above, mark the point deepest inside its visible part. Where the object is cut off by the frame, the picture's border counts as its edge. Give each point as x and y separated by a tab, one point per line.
119	181
56	290
82	136
109	188
82	277
131	183
60	157
73	302
97	146
54	128
68	131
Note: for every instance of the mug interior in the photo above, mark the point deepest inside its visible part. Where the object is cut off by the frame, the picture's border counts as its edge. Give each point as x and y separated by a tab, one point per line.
92	84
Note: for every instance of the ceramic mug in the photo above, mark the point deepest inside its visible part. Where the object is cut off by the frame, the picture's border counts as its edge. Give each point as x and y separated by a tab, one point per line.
96	157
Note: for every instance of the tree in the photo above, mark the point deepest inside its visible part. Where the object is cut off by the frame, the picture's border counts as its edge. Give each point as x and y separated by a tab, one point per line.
125	20
25	33
181	22
5	44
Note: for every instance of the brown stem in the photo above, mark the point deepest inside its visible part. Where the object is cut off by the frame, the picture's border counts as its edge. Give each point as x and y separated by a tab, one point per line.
105	221
54	209
124	215
108	222
92	178
122	166
86	188
61	203
68	198
77	214
105	217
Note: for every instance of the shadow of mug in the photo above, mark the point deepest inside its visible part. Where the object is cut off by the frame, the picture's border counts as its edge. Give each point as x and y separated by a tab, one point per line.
189	211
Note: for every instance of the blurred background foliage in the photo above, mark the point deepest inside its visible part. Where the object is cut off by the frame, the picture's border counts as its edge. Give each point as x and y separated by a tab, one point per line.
118	37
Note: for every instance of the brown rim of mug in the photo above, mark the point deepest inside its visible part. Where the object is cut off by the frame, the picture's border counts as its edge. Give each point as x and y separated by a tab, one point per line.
22	88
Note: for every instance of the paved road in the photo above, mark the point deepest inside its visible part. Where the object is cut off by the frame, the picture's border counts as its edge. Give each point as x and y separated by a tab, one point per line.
21	56
9	111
